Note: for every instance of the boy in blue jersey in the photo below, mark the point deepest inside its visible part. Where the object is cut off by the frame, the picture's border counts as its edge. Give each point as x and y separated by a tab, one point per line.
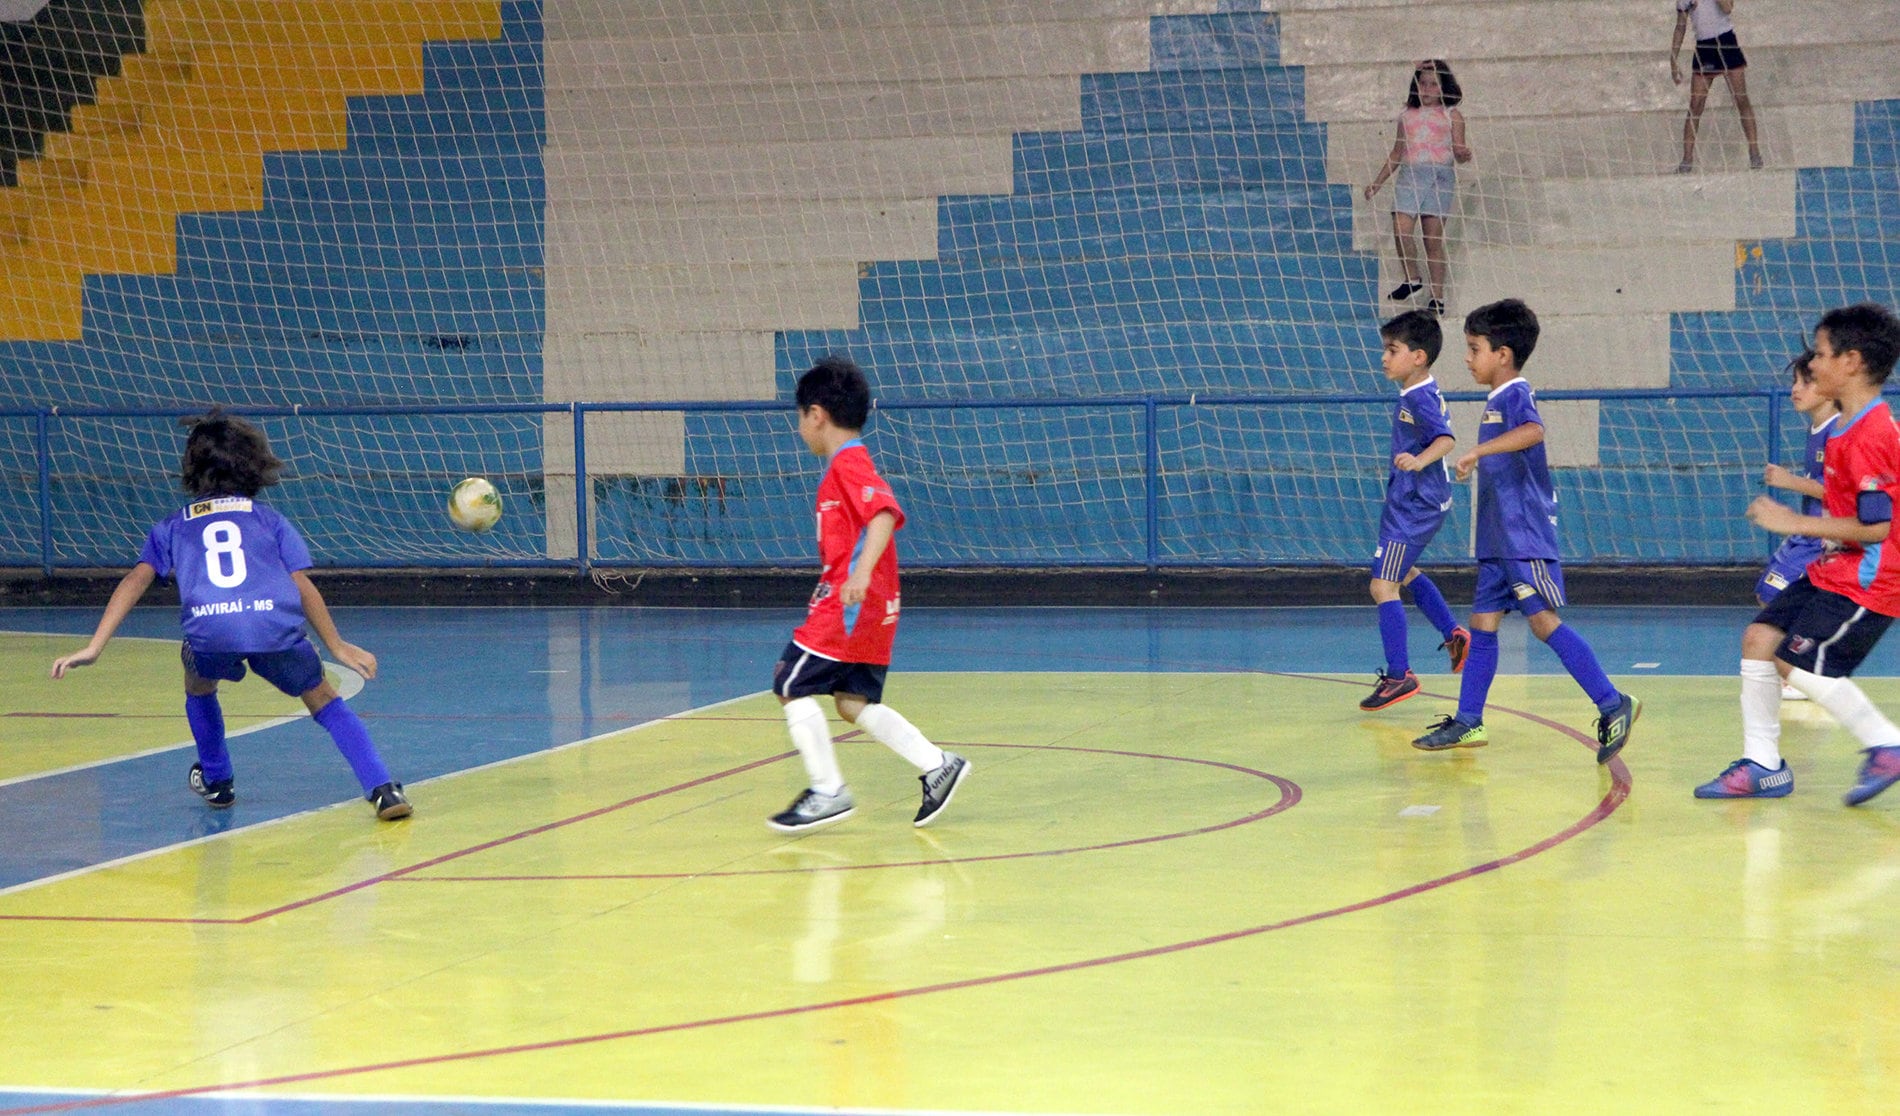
244	598
1518	566
1417	496
1792	557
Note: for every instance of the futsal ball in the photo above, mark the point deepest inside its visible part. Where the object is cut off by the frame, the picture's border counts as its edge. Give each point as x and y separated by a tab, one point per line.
474	505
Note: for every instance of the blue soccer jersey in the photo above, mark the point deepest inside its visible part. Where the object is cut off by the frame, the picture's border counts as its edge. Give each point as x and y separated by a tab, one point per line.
1517	506
233	558
1814	463
1416	503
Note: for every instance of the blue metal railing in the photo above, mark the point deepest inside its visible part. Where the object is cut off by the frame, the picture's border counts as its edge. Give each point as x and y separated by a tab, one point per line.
1155	502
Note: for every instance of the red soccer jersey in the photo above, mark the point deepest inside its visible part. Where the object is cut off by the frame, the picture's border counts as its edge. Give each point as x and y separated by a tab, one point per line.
1862	456
849	497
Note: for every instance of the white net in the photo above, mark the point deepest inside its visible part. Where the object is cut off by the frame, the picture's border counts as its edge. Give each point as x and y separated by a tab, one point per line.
438	203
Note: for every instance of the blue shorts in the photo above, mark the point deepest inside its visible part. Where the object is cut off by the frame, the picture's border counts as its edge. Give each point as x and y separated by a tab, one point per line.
296	671
1394	558
1525	585
1790	561
799	673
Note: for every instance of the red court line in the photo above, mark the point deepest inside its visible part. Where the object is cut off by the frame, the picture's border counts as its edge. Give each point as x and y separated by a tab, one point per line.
1618	793
1289	797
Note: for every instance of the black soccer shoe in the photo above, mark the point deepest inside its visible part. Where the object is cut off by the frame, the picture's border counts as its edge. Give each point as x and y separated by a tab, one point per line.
390	802
218	795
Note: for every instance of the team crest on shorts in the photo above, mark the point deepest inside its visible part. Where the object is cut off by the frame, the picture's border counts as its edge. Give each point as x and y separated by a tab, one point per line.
1800	644
1523	591
1776	580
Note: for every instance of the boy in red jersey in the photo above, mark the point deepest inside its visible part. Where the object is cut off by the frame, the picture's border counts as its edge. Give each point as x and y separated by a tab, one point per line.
1819	629
844	646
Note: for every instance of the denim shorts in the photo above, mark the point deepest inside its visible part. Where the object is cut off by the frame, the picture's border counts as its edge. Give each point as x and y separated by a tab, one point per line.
1425	189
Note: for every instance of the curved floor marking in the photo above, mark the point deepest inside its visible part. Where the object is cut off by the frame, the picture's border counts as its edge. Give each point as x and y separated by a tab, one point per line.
1289	797
1618	793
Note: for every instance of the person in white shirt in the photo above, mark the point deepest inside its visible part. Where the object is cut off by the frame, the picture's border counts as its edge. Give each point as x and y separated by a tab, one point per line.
1716	52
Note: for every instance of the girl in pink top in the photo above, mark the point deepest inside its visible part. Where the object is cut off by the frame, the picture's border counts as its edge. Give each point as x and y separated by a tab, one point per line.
1431	138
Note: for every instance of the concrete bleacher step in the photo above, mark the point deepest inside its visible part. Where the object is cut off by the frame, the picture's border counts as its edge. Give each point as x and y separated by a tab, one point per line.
1263	159
590	289
1025	48
1614	145
654	231
1562	87
909	167
1466	31
804	111
264	22
1496	211
1194	101
729	364
588	19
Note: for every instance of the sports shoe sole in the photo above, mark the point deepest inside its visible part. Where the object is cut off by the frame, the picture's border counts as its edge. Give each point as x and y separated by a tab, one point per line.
807	827
1449	747
399	810
1387	704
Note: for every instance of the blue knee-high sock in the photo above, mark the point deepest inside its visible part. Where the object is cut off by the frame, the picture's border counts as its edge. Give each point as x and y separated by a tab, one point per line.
1582	664
1392	635
1432	603
352	739
1481	666
206	718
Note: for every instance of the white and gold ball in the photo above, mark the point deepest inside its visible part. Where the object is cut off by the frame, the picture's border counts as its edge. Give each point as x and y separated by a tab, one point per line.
474	505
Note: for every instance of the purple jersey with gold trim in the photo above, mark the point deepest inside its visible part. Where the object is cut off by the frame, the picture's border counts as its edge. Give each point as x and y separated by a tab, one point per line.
1517	505
1416	502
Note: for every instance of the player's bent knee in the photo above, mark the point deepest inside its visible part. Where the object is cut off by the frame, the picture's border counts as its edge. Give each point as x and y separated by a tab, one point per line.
318	696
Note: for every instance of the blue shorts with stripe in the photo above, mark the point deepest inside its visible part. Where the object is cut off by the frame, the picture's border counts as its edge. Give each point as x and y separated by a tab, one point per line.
1524	585
1394	558
800	673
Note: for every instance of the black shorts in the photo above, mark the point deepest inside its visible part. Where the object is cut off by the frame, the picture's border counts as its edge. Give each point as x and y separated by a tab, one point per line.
799	673
1719	55
1825	633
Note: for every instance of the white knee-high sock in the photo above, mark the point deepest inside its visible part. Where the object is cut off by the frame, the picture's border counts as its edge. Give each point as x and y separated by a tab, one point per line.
1842	698
811	735
1761	713
900	736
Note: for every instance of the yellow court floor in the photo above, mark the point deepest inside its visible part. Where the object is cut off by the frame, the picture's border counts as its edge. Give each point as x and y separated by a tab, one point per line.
1155	894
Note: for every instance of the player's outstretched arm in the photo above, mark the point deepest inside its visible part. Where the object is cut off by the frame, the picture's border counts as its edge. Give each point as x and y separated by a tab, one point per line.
318	614
131	587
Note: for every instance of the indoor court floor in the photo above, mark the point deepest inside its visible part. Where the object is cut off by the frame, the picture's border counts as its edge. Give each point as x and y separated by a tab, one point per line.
1186	875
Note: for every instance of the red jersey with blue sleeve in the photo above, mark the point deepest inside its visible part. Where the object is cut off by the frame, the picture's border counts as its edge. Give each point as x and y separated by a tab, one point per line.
849	497
233	558
1517	504
1862	482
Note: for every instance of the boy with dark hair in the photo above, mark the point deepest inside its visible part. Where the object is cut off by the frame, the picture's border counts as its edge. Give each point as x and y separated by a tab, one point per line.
1518	566
1818	630
244	599
844	646
1790	560
1417	496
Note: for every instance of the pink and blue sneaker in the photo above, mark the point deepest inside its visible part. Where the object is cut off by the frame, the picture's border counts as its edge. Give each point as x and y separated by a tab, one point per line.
1880	770
1747	779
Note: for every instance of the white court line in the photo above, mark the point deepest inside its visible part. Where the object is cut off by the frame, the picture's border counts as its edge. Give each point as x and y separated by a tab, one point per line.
174	847
351	685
